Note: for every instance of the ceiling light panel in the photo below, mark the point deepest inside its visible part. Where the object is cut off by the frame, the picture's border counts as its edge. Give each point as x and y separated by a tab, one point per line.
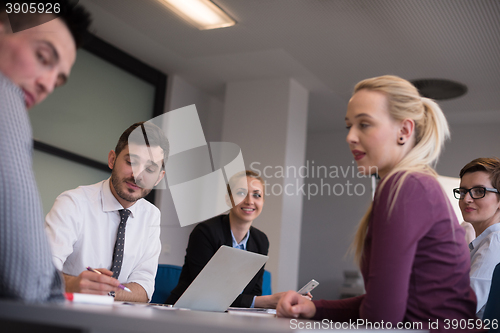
203	14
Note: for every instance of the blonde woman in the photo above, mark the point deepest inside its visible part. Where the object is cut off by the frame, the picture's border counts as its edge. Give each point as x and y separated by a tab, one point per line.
409	245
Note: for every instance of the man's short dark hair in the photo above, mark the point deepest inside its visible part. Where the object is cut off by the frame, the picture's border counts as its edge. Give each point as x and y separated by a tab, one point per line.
152	135
76	18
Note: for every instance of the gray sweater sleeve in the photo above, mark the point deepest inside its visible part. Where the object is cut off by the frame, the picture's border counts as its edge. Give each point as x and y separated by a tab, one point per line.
26	269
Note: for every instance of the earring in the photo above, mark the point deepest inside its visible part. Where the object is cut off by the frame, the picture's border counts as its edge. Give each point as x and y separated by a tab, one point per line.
401	141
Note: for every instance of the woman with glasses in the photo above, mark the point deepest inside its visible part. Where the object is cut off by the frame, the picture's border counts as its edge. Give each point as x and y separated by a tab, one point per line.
479	201
409	245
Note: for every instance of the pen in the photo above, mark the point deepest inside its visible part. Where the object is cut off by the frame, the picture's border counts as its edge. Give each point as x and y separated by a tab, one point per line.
121	286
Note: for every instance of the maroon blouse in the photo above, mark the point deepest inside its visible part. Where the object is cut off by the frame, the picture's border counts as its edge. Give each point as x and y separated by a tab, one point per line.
415	261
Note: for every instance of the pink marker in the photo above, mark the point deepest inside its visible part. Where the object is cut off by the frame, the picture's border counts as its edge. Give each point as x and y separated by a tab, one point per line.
89	299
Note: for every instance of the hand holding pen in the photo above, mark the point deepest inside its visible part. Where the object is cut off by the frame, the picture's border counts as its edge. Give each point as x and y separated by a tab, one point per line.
121	286
88	282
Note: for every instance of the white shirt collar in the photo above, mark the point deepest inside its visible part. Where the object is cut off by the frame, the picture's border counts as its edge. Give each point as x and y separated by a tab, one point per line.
243	241
484	234
110	203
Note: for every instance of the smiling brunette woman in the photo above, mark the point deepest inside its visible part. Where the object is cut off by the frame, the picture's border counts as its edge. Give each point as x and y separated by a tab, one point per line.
409	245
235	230
479	201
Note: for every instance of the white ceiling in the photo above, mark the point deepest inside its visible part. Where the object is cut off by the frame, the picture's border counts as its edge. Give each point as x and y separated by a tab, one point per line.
326	45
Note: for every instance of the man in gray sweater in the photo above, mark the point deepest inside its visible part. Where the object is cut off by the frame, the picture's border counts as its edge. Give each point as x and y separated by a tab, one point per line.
37	52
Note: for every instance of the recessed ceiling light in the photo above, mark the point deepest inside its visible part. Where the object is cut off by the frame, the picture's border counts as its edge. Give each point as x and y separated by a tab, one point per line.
203	14
439	89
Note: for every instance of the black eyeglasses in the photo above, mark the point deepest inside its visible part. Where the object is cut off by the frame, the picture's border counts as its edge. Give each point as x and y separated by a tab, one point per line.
477	192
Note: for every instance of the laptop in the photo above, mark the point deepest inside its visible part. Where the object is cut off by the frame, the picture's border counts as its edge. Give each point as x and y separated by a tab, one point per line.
222	279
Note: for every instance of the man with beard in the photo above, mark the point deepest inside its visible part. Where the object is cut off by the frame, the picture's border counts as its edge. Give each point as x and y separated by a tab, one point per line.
109	226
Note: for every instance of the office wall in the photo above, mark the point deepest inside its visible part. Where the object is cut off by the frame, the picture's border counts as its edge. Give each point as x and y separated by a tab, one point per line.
330	217
180	93
469	141
55	175
329	221
267	119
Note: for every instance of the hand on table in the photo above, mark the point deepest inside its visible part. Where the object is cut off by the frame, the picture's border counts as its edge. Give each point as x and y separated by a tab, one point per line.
294	305
268	301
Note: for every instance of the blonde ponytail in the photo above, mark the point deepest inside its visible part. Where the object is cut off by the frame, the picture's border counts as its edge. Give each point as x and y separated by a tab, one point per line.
431	131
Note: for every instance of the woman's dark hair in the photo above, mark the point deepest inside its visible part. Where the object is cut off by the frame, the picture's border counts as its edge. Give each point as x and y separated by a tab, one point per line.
490	165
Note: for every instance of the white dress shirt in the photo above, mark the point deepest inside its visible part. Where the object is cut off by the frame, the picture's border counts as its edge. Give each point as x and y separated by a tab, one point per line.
484	256
82	227
242	246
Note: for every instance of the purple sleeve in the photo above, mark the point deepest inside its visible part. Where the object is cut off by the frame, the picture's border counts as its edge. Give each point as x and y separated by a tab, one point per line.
339	310
392	242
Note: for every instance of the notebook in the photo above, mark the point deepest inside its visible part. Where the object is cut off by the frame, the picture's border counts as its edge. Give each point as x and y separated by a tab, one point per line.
221	280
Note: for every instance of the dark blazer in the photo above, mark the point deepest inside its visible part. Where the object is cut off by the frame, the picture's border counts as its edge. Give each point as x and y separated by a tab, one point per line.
204	241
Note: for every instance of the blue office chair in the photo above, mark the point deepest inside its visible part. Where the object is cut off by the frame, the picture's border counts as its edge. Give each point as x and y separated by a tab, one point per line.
492	310
266	284
167	277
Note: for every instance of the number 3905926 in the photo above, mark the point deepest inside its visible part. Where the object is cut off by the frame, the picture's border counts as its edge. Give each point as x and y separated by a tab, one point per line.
32	8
